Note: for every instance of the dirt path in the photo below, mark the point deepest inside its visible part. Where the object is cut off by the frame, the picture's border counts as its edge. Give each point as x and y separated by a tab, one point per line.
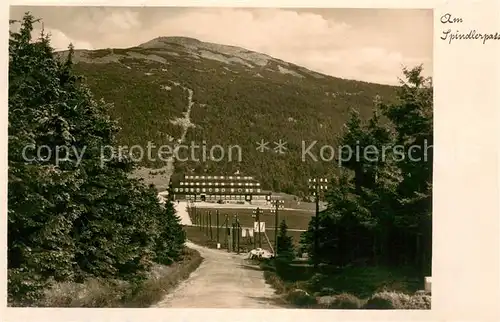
223	280
182	213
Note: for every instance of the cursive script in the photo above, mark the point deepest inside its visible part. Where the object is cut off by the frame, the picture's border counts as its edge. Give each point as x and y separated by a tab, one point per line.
448	18
449	35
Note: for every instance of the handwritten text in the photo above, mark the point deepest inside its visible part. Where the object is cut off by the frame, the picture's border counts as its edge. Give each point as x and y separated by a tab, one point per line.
449	35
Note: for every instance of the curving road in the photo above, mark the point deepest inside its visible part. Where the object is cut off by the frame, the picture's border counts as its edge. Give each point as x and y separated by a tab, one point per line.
223	280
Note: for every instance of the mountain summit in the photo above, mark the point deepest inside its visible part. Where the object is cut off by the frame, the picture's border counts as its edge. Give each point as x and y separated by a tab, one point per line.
223	53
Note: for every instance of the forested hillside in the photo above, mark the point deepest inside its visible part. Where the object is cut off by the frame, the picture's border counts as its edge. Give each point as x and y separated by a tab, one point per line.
239	98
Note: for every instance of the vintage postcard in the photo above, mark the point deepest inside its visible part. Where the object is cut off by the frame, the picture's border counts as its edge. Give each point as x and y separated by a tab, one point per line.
305	161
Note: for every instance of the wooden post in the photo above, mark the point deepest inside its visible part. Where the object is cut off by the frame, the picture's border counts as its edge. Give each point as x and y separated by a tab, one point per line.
217	224
254	232
316	227
237	235
225	234
258	222
205	227
202	226
233	237
210	224
276	230
206	223
197	216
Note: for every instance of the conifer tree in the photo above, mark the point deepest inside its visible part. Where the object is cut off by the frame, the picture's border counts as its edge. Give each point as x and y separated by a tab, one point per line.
380	207
285	243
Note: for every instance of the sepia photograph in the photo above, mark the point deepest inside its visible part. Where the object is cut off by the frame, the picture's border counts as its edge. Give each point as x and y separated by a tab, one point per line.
218	157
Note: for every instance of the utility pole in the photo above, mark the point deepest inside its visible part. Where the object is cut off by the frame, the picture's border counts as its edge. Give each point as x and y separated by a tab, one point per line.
202	218
254	232
237	235
210	224
257	220
316	229
278	204
206	222
317	188
276	231
217	223
234	233
225	234
199	219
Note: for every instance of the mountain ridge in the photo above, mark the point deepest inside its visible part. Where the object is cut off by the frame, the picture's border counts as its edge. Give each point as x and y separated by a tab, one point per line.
160	42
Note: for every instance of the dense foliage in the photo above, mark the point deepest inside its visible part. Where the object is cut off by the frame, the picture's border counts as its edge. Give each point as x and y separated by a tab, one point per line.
234	104
379	207
70	220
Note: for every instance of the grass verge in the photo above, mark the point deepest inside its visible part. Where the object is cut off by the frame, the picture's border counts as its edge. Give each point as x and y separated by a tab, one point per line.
350	288
115	293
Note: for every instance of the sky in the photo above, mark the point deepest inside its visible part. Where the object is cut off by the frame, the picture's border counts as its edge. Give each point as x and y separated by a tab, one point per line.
363	44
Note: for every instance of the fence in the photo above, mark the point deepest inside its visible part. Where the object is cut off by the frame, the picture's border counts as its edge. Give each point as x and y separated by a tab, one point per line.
224	231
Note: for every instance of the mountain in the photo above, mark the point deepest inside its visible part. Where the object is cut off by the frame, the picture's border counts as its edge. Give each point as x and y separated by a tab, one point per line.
177	88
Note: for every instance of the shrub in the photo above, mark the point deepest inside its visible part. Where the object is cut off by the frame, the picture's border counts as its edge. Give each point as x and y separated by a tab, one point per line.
419	302
346	301
327	291
316	282
385	300
276	282
398	301
325	301
342	301
300	298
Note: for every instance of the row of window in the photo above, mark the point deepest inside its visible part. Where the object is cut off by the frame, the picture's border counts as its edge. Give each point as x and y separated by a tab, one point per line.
218	197
320	187
209	190
248	184
319	180
219	177
226	197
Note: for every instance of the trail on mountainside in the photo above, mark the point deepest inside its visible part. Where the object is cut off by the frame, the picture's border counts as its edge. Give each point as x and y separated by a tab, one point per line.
185	123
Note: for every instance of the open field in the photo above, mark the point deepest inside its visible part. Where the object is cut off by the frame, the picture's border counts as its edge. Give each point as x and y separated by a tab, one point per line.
295	219
203	230
203	236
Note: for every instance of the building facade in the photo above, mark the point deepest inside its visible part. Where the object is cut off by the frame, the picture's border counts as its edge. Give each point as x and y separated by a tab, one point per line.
232	188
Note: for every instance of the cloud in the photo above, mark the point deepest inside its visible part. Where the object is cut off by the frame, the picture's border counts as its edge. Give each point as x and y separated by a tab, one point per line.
60	41
310	40
109	21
